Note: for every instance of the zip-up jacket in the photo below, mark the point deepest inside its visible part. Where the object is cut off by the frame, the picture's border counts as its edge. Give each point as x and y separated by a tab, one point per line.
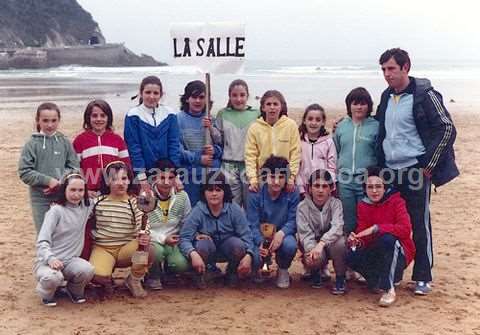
320	154
315	225
263	140
178	209
45	157
281	212
231	222
391	216
151	134
63	232
96	151
435	127
233	125
355	144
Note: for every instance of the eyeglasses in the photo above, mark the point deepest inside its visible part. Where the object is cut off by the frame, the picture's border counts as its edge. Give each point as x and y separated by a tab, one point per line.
375	186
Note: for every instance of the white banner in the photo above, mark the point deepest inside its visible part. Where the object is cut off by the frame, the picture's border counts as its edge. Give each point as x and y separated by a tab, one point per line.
211	47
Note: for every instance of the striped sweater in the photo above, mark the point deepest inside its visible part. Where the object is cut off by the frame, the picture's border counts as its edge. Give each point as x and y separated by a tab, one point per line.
117	221
178	209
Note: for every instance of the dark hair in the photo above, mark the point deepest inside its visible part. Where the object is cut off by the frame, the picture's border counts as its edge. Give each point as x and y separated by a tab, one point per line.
376	171
276	164
150	80
401	57
46	106
323	175
104	106
274	94
359	95
236	82
166	165
216	178
303	128
112	168
193	89
63	188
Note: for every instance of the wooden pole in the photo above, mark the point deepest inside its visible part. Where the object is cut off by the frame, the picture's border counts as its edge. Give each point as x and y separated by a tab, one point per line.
208	137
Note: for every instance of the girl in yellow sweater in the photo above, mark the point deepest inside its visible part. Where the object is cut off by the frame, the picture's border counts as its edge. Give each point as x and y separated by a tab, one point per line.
274	133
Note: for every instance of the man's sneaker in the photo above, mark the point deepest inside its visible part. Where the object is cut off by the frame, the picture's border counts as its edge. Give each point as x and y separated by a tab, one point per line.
396	284
49	302
199	281
388	298
283	278
422	288
76	299
134	285
340	285
153	284
316	279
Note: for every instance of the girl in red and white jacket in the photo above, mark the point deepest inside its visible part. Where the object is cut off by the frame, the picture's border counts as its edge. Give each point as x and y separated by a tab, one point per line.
98	145
382	245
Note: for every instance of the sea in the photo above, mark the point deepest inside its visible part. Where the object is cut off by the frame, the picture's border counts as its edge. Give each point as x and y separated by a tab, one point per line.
301	81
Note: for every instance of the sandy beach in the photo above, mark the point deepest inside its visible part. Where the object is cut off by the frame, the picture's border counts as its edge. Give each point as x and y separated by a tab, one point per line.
452	308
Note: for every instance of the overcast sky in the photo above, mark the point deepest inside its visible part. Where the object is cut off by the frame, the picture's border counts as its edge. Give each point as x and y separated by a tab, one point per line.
303	29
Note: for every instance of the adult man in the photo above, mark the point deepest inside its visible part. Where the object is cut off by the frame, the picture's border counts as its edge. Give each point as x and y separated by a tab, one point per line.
415	142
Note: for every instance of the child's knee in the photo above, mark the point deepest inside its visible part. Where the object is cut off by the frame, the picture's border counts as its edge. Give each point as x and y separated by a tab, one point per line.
51	279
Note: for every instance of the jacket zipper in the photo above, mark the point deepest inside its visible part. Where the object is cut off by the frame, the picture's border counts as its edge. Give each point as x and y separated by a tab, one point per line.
354	147
153	117
99	142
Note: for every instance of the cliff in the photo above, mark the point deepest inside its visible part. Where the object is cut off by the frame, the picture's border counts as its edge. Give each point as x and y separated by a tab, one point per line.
47	33
45	23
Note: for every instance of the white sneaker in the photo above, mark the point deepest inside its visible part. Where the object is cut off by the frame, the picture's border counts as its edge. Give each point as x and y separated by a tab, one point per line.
283	278
387	298
135	287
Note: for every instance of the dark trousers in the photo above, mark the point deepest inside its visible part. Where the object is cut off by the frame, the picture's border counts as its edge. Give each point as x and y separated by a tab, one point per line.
231	250
415	190
381	263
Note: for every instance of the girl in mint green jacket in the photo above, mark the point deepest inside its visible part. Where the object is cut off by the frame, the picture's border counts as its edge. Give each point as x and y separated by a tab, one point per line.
355	138
44	160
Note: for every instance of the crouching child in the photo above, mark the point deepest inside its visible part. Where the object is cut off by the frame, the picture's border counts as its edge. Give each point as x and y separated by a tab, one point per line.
60	243
320	230
217	231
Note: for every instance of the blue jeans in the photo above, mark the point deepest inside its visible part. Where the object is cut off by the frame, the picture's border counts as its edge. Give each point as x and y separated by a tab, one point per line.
350	195
231	250
286	252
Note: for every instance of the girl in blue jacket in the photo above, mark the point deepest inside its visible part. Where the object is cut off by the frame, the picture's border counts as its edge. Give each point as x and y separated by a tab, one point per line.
197	152
151	131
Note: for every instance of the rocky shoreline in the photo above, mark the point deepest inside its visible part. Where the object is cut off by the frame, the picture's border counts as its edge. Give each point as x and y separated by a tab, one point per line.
101	55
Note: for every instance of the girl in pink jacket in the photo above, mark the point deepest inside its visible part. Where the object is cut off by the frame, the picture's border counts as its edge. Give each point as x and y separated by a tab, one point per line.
318	148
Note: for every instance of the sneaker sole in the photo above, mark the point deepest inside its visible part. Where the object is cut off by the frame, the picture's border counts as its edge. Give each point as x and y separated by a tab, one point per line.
421	293
49	304
79	301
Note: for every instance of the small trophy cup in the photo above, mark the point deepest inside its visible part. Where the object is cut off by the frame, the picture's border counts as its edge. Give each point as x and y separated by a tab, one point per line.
146	202
268	230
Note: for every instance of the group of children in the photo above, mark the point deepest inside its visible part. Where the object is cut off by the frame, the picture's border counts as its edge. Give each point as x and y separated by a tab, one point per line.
215	181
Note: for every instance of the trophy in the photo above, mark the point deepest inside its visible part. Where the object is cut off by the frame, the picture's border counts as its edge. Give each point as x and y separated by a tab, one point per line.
268	230
146	202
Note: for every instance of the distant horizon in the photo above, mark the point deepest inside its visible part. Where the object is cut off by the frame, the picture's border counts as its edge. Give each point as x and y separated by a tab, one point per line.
341	31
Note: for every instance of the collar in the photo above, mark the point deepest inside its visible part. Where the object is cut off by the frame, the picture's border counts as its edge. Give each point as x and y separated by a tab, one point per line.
410	89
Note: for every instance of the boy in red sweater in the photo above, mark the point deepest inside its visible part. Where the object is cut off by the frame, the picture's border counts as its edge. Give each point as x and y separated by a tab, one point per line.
381	246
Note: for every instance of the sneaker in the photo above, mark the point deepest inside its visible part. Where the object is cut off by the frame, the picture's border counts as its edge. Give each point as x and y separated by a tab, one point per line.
325	274
317	281
76	299
49	302
258	278
153	284
388	298
307	275
283	278
422	288
199	281
340	286
135	287
396	284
